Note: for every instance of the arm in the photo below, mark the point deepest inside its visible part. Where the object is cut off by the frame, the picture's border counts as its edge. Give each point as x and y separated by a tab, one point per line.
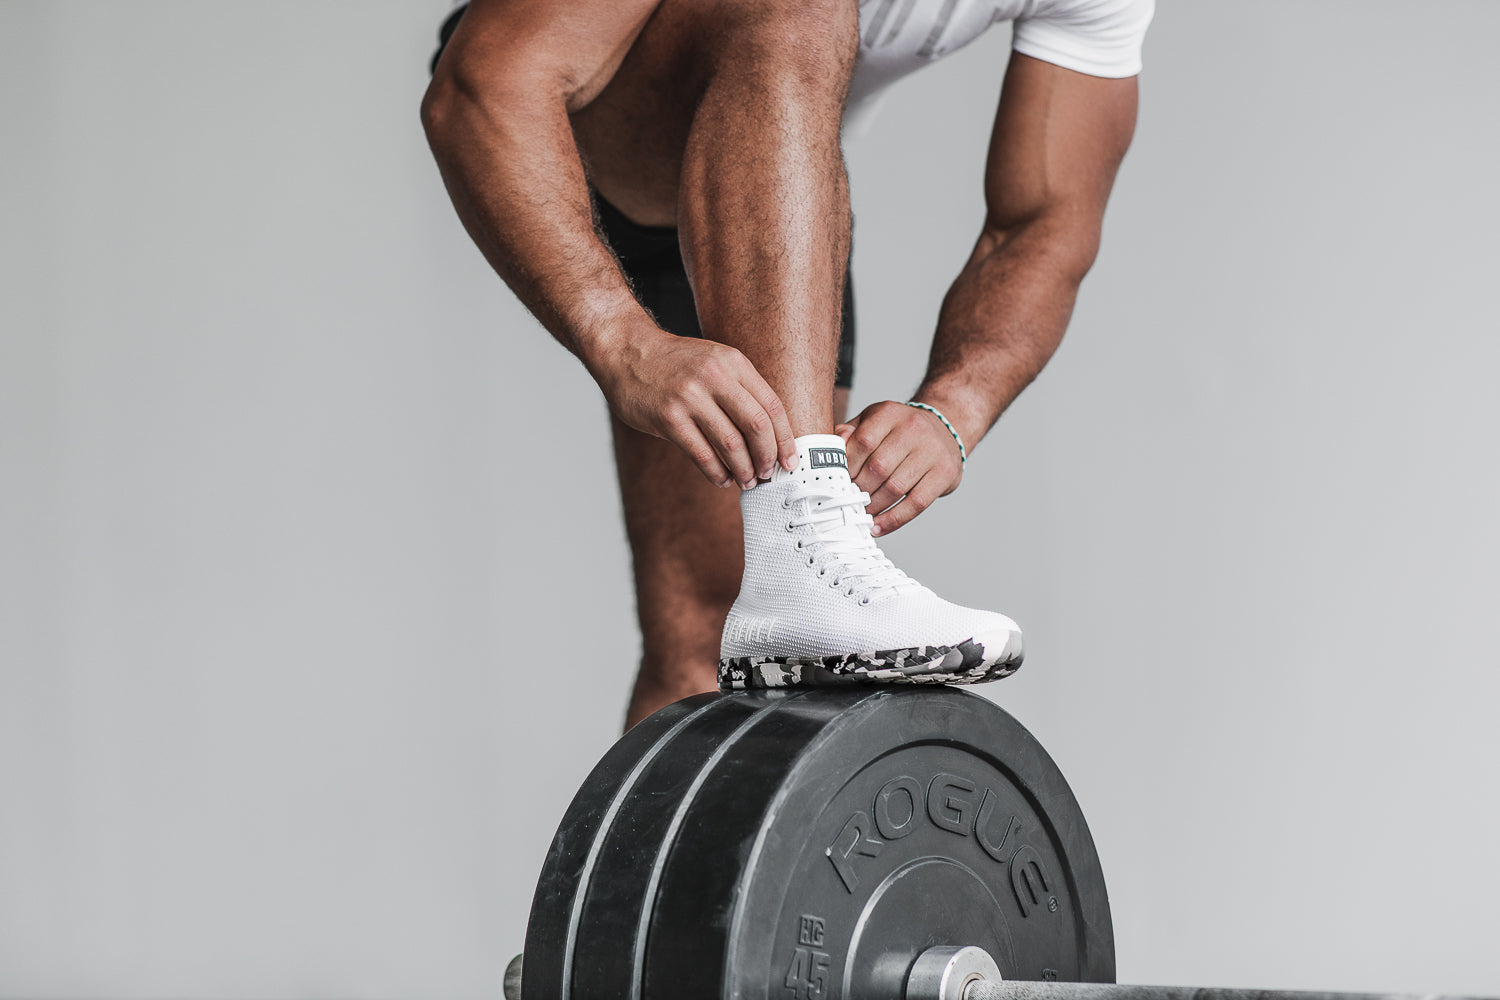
1058	140
496	116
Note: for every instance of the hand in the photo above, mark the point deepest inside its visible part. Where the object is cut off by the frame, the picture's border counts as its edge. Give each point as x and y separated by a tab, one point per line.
706	398
898	451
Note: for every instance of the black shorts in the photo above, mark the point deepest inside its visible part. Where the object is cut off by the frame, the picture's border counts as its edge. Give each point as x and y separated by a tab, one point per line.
651	258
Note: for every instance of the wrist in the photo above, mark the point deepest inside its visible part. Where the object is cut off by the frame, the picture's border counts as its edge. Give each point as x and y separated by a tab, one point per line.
963	455
606	340
964	415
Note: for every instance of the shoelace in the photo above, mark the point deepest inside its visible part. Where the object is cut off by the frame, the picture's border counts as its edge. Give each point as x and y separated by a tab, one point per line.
843	544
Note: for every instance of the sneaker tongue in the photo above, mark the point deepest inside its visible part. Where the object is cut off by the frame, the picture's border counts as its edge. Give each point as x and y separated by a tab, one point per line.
822	456
823	460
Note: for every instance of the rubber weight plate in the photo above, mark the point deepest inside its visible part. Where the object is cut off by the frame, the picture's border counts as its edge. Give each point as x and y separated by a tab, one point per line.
809	845
552	940
590	914
849	830
614	919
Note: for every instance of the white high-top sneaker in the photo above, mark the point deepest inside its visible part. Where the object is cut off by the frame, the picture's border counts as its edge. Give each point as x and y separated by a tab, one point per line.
821	604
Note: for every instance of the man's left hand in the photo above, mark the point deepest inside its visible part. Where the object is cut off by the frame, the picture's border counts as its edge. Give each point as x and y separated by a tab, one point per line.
903	457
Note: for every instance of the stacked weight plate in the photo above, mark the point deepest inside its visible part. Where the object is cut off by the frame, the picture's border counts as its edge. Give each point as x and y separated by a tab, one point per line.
808	846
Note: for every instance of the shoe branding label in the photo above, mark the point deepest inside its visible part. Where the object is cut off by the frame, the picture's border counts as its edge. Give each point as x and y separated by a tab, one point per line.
827	458
739	629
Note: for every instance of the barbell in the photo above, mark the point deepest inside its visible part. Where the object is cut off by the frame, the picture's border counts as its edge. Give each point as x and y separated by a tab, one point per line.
853	843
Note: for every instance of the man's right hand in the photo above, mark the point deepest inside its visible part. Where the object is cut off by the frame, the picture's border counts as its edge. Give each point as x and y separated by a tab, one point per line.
705	397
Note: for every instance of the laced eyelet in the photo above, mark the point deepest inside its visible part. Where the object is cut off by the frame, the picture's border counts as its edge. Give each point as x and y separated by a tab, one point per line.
786	504
810	562
789	526
864	600
799	545
822	572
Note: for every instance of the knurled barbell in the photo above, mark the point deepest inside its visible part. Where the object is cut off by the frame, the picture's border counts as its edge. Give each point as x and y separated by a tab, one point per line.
948	972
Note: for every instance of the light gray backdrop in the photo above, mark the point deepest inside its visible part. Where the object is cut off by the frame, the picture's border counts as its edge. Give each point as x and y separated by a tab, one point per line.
314	601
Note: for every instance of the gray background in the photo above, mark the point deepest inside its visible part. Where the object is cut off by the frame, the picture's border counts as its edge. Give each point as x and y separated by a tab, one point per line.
314	601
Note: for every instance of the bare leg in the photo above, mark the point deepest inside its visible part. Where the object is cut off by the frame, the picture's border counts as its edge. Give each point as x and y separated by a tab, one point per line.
764	206
723	121
689	555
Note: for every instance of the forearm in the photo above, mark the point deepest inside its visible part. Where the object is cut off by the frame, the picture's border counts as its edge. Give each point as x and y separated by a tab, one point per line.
1003	318
513	171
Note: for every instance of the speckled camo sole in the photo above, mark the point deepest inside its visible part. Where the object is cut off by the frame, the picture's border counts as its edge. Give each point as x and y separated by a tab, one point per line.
970	662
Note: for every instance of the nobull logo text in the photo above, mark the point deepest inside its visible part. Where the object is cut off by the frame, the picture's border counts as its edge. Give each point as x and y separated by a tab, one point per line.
827	458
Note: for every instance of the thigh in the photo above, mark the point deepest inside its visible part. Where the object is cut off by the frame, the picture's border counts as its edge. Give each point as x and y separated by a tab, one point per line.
633	135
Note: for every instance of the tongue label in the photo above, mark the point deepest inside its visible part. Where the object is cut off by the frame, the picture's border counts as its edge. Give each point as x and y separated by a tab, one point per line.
827	458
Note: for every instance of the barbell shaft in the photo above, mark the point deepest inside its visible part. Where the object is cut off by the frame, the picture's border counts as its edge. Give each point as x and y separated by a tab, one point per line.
985	989
1018	990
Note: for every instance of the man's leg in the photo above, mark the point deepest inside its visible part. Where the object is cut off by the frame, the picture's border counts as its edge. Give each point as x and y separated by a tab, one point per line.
763	158
688	548
723	121
688	556
684	533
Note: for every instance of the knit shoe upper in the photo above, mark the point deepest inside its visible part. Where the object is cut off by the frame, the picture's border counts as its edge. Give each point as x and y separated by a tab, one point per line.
821	603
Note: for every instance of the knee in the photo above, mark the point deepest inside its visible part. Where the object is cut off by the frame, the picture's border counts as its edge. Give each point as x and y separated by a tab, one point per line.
809	44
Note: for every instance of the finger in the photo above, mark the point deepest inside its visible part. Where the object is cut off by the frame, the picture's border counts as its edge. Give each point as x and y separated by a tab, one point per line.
908	472
781	424
728	443
918	499
691	440
876	466
754	424
870	430
844	430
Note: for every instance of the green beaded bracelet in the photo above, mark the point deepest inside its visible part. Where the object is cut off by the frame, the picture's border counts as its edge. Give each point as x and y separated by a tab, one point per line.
963	456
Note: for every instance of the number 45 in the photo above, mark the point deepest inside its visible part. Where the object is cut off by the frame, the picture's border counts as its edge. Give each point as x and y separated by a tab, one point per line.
808	976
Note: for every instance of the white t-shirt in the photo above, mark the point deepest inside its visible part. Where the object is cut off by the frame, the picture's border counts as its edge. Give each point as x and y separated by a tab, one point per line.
897	37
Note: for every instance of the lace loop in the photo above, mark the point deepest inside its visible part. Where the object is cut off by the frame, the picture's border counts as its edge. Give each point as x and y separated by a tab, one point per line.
840	541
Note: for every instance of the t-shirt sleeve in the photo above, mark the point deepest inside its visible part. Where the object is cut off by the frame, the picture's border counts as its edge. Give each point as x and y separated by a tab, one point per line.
1097	37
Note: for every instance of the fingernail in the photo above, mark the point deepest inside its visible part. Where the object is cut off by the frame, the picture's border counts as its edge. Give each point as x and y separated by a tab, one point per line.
747	485
875	530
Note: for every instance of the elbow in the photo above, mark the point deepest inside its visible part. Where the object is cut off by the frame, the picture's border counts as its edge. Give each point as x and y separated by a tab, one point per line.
442	107
468	97
1061	243
1077	253
434	110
